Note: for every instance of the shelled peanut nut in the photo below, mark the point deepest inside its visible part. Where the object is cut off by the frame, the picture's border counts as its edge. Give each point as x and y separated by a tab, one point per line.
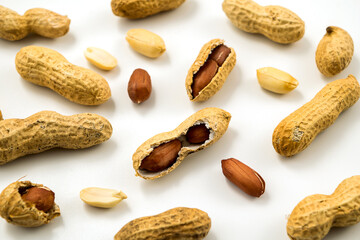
102	197
275	80
139	86
145	42
208	73
163	147
28	204
100	58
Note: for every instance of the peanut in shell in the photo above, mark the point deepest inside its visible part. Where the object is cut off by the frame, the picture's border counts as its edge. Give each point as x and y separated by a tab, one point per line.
215	119
179	223
19	212
218	80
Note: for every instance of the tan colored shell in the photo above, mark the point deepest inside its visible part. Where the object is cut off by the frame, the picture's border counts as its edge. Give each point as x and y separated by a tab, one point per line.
299	129
41	21
313	217
16	211
216	119
48	68
277	23
218	80
176	224
334	52
134	9
46	130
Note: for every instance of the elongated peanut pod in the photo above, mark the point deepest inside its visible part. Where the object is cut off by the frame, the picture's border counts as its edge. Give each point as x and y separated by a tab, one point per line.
177	223
48	68
164	152
277	23
134	9
299	129
41	21
315	215
45	130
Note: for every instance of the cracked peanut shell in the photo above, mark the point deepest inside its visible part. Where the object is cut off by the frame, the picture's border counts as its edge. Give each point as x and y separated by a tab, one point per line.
47	129
215	119
16	211
300	128
218	80
179	223
48	68
134	9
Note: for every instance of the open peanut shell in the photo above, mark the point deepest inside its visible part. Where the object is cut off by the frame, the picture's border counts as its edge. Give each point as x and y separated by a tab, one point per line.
215	119
220	77
16	211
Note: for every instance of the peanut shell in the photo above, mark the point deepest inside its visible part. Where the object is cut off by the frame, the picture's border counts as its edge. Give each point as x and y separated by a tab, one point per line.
45	130
46	67
176	224
216	119
300	128
134	9
16	211
334	52
220	77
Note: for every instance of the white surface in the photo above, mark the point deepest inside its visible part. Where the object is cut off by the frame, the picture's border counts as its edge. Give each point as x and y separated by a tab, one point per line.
198	181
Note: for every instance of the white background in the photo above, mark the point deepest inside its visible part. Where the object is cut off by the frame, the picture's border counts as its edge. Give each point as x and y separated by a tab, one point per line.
198	181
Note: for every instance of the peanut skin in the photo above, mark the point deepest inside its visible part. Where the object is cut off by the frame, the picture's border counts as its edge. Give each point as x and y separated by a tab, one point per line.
277	23
315	215
46	130
36	20
48	68
299	129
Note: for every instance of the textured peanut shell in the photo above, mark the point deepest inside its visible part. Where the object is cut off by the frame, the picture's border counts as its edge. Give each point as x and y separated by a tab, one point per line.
313	217
134	9
16	211
277	23
41	21
175	224
218	80
299	129
216	119
334	52
46	130
48	68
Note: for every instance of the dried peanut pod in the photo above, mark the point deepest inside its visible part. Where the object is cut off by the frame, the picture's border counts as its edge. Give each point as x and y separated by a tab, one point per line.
178	224
102	197
134	9
213	76
48	68
299	129
334	52
315	215
46	130
41	21
277	23
215	119
14	209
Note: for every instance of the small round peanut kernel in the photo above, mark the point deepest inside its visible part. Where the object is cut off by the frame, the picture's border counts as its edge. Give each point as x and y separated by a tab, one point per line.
41	197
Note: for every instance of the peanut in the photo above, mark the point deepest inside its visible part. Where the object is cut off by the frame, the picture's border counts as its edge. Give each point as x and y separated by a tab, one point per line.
275	80
45	130
198	134
178	224
28	204
145	42
299	129
139	86
277	23
102	197
334	52
48	68
42	198
158	153
315	215
36	20
210	70
134	9
100	58
243	177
